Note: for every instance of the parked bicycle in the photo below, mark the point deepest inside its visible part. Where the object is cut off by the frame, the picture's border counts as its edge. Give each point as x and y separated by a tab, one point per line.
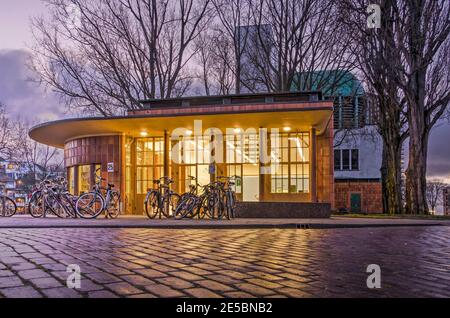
216	200
191	204
67	199
47	198
7	206
161	201
228	196
91	204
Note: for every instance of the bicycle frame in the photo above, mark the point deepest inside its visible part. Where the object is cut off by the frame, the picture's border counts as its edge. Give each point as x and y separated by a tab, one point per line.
161	199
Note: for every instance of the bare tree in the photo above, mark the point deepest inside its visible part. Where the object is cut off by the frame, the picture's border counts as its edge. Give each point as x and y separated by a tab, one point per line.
299	41
434	193
216	63
222	71
409	65
423	74
233	16
375	53
39	159
5	133
105	56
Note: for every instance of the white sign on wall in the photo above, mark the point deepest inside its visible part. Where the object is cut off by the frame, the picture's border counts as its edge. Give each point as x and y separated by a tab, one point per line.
110	166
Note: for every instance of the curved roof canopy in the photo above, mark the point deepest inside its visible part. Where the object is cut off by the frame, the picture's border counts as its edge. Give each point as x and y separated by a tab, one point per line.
305	116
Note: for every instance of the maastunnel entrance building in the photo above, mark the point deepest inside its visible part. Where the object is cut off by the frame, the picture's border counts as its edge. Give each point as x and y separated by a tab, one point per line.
280	146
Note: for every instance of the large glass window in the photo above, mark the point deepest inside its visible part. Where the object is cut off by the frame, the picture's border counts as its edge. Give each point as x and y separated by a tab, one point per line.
71	179
236	170
149	162
129	194
290	163
193	156
242	148
193	150
84	179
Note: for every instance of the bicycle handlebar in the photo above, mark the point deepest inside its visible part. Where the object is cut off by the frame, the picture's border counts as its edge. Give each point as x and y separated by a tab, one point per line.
168	179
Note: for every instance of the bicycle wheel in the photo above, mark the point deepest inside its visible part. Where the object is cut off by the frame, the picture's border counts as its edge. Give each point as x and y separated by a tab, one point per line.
202	210
174	200
36	205
7	207
56	207
152	204
114	207
89	205
213	205
228	201
68	201
233	204
185	207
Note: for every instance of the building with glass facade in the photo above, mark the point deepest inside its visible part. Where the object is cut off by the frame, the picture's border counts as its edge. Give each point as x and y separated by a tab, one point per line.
280	146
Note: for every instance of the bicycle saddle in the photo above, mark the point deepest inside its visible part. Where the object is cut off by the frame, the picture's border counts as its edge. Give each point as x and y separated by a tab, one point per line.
110	185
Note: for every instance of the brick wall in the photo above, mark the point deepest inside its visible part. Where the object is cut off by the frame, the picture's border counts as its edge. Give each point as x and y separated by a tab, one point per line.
447	201
325	166
96	150
371	195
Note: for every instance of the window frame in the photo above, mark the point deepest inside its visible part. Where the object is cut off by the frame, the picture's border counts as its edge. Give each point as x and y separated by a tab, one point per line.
339	153
288	165
156	166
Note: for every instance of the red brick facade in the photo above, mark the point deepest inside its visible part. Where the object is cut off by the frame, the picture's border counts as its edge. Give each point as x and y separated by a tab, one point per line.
371	195
96	150
446	201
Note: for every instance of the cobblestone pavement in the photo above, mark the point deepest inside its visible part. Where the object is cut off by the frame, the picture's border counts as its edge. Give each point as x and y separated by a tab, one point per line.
415	262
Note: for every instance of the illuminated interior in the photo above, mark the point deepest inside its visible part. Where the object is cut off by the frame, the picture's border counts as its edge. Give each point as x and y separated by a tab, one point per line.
199	157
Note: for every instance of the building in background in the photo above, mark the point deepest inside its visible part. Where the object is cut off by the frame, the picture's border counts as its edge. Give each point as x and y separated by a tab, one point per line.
357	163
446	201
357	143
12	181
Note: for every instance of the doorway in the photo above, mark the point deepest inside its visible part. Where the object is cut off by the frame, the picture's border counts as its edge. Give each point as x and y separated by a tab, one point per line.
355	202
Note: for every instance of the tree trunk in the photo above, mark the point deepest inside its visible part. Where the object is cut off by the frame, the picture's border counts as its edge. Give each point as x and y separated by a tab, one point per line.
391	175
416	183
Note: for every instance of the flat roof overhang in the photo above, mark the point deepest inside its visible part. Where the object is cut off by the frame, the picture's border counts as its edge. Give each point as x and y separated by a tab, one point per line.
57	133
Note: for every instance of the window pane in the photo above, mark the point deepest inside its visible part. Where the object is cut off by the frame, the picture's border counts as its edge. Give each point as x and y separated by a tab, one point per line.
84	178
159	151
299	178
71	177
293	148
355	159
337	159
345	159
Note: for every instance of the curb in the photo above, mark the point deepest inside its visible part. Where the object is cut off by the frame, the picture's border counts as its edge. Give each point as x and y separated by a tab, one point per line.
302	226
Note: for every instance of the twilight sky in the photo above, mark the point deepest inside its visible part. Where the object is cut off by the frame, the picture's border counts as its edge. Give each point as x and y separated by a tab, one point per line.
23	98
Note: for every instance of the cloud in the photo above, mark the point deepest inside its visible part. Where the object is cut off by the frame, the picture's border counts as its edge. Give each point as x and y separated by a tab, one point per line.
21	96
